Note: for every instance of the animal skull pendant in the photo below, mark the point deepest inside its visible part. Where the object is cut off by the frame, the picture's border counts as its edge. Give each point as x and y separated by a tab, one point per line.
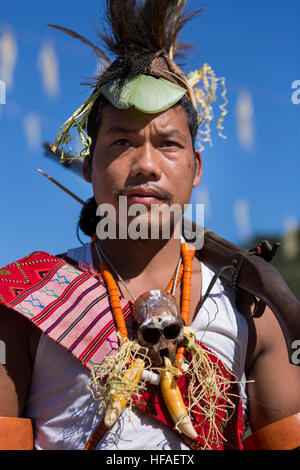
159	324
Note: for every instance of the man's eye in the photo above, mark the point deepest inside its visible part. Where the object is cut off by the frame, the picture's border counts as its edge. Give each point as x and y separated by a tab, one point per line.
170	143
121	142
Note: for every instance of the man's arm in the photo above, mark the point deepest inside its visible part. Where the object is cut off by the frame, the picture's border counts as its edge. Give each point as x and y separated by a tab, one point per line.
19	339
274	394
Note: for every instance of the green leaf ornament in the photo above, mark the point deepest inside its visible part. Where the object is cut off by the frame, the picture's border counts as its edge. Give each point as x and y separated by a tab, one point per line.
146	93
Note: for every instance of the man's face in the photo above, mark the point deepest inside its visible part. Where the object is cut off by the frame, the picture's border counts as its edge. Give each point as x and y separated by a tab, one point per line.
148	158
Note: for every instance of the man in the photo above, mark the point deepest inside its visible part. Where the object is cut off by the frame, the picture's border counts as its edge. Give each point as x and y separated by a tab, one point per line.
146	153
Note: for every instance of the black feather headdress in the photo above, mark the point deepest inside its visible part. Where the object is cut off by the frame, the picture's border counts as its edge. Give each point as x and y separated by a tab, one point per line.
142	38
140	34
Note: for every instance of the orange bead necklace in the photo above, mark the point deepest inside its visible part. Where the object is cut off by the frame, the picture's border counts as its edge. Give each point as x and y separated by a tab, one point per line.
184	272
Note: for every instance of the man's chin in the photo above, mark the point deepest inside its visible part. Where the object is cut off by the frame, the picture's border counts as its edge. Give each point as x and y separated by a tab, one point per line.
147	228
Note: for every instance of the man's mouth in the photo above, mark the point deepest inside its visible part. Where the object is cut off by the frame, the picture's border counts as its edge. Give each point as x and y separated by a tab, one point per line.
146	195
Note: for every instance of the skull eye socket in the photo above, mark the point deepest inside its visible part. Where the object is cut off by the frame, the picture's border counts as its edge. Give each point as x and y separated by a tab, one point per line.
151	335
171	331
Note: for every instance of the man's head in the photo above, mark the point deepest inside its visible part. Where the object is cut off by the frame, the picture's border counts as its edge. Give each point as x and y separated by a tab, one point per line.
142	35
143	88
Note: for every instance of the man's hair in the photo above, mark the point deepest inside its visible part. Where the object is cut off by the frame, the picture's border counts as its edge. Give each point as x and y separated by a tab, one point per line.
94	121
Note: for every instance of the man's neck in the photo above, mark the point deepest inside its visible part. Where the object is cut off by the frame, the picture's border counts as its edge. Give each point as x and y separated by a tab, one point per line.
146	264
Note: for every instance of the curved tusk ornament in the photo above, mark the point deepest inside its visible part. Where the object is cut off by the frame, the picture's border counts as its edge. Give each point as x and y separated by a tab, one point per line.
118	402
175	405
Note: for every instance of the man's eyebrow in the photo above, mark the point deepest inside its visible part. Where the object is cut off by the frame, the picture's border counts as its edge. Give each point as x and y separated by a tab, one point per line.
172	133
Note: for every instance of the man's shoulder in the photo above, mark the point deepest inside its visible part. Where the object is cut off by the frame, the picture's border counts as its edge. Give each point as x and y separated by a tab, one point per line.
23	274
27	286
34	282
19	336
33	257
40	256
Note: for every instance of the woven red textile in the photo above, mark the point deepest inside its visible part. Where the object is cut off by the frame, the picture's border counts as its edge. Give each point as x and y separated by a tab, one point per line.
230	436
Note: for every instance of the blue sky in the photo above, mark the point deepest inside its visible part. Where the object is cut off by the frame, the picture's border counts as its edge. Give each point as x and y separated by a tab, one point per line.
250	184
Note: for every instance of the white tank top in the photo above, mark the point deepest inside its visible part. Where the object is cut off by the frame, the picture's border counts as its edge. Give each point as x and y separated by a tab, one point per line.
64	411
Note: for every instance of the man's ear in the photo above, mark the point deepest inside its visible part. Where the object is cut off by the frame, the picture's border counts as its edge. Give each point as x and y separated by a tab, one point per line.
86	169
198	168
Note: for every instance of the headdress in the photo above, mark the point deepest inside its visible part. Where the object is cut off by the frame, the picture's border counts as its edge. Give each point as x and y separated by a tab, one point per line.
143	37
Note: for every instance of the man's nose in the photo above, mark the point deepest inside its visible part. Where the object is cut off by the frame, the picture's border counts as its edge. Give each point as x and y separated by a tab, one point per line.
146	163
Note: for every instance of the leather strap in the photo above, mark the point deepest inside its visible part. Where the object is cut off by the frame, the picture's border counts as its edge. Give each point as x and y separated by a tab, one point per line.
16	434
280	435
